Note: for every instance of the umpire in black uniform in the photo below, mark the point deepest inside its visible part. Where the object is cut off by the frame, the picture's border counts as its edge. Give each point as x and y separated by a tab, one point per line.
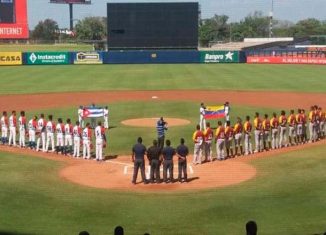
153	156
168	152
182	153
138	153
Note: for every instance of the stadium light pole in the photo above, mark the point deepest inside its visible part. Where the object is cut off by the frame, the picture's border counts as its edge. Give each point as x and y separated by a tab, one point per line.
271	20
71	15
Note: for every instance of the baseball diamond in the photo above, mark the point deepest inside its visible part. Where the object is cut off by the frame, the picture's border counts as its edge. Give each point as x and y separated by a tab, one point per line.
244	183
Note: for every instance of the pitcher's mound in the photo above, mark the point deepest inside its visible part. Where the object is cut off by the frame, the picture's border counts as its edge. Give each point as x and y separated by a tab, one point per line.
151	122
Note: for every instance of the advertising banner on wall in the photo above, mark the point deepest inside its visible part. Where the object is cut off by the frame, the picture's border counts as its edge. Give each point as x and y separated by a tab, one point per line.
35	58
88	58
219	57
285	60
10	58
13	19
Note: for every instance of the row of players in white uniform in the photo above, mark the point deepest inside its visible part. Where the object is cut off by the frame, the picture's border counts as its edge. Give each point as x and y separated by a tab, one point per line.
41	133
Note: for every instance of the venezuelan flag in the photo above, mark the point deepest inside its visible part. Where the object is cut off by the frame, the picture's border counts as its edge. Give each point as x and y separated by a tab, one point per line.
214	112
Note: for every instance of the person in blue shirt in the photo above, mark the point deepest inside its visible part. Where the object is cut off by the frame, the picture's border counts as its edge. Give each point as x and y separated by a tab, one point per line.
168	152
161	127
138	153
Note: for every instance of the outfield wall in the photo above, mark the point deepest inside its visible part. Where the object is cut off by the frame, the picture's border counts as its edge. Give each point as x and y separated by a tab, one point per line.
121	57
159	57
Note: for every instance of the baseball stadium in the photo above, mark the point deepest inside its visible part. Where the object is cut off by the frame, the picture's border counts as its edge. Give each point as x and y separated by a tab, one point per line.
162	118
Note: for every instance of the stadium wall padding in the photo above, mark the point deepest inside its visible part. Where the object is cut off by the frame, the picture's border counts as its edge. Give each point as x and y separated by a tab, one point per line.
151	57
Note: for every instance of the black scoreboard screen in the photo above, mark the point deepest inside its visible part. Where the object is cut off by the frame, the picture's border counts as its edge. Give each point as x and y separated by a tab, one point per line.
7	11
152	25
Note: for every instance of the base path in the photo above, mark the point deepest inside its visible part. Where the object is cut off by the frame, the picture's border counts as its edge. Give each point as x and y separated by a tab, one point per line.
252	98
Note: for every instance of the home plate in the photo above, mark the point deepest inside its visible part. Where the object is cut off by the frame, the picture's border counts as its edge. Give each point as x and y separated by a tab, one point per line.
154	97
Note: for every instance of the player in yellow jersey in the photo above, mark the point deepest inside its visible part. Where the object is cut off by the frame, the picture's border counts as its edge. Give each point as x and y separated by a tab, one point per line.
238	129
274	126
258	133
282	122
266	132
247	127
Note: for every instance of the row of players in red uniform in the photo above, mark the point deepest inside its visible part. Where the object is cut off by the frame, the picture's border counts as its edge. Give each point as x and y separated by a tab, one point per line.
268	134
41	133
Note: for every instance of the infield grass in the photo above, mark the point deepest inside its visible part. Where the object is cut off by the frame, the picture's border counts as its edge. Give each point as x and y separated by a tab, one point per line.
287	197
45	79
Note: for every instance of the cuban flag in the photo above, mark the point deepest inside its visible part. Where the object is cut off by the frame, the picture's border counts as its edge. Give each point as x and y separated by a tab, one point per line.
214	112
93	112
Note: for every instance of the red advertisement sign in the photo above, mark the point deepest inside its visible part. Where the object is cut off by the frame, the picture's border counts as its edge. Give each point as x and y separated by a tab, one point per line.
285	60
13	19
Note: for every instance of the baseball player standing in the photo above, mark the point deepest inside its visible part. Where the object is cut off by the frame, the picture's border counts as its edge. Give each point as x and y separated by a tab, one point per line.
12	128
266	133
304	126
292	128
60	129
282	121
4	128
87	138
322	123
22	129
81	116
68	137
258	133
229	132
202	120
32	125
247	132
312	125
50	128
41	123
161	127
198	138
208	135
100	140
238	129
299	121
227	111
219	140
106	117
275	126
77	132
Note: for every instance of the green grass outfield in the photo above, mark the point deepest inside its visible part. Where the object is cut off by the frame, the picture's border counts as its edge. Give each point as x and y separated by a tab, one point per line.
45	47
65	78
288	197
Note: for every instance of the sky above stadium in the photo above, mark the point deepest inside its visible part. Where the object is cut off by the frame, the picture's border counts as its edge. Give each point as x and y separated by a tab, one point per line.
292	10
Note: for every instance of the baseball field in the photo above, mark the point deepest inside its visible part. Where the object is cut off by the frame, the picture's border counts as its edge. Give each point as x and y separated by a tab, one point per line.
284	191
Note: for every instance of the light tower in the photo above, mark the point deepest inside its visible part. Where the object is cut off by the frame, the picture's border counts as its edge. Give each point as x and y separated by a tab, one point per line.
70	3
271	13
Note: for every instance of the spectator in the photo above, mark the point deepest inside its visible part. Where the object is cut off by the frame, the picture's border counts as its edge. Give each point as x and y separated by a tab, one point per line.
84	233
118	230
251	228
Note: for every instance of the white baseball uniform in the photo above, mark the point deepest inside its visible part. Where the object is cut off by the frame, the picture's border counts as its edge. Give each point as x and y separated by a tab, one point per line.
77	134
60	132
99	136
41	128
106	118
12	130
68	135
31	131
4	129
86	143
81	117
22	130
49	135
202	120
